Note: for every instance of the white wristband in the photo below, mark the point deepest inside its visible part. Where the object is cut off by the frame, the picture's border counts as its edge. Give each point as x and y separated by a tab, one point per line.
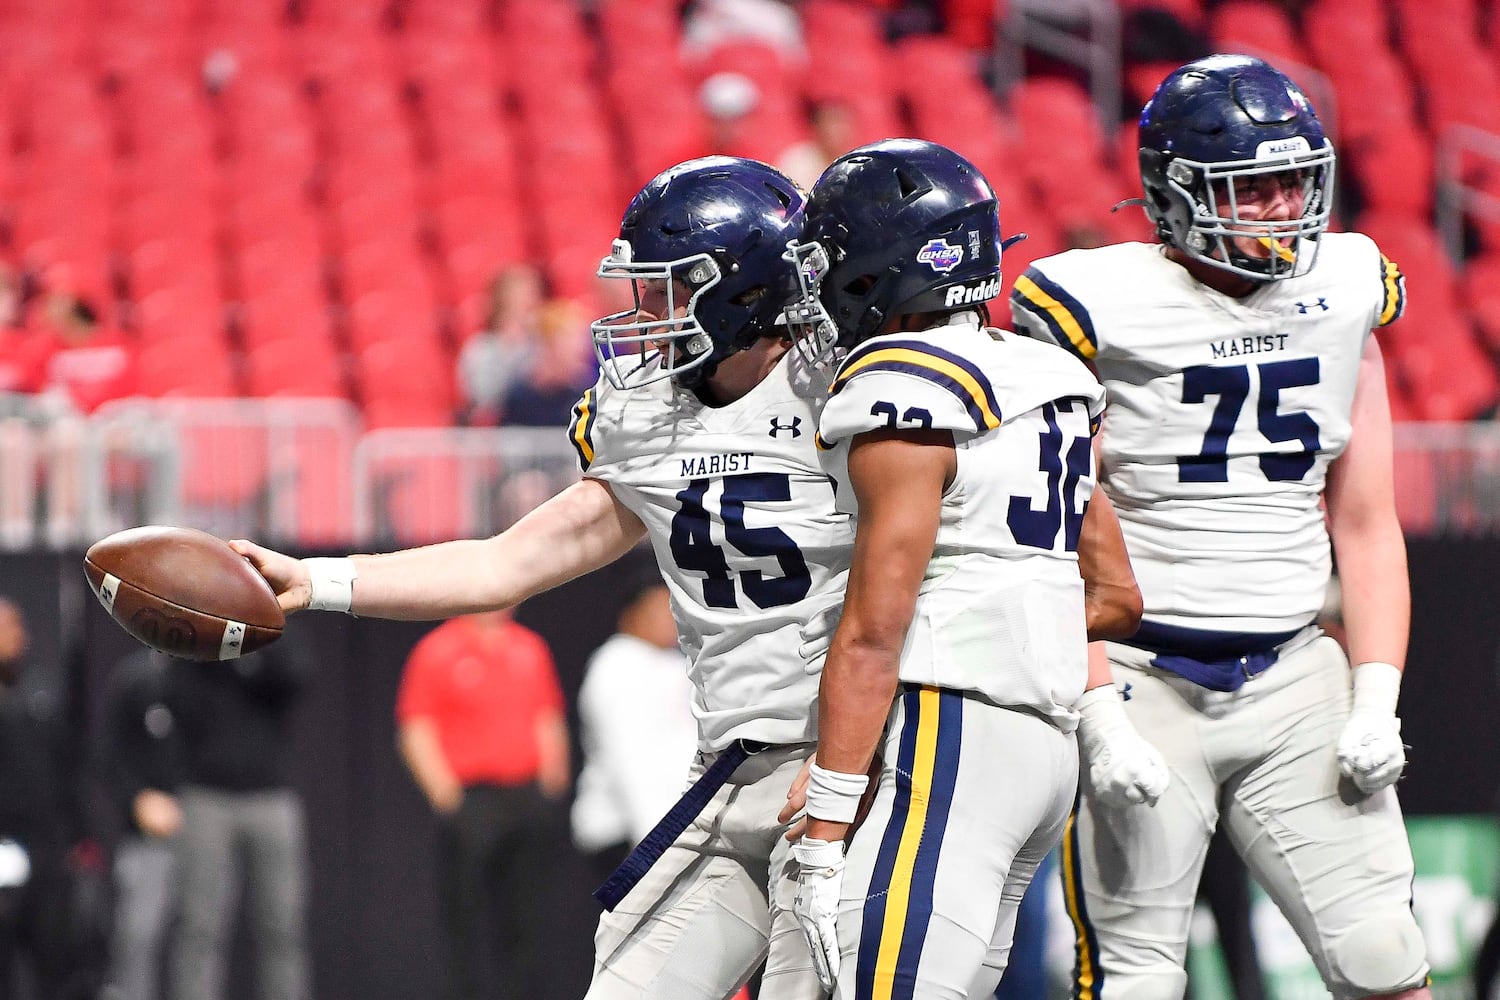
332	582
1377	686
833	795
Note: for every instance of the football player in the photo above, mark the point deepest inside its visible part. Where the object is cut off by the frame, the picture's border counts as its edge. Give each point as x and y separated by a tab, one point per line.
699	436
964	455
1246	395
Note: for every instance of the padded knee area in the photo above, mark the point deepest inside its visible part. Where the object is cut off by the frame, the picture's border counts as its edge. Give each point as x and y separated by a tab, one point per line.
1380	954
1157	982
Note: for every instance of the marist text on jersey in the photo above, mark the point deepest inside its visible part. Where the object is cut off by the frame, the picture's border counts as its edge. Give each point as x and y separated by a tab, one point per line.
717	465
1261	343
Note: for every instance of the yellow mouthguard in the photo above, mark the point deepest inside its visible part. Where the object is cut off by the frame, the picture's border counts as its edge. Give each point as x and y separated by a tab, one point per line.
1276	248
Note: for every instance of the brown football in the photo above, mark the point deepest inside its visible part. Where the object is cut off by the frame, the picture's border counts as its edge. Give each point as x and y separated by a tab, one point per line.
184	592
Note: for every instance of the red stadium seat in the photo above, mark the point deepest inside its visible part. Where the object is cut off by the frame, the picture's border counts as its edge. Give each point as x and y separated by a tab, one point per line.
405	383
1480	287
273	264
294	312
971	23
1257	26
294	366
379	317
179	315
185	367
159	265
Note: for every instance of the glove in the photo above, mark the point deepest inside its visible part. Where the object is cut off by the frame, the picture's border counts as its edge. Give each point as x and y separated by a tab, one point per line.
820	875
1124	769
817	634
1369	750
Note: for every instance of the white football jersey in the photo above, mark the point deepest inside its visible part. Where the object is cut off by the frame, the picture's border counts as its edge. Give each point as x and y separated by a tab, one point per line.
1224	415
742	521
1000	610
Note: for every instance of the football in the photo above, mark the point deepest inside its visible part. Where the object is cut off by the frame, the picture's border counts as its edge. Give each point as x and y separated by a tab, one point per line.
184	592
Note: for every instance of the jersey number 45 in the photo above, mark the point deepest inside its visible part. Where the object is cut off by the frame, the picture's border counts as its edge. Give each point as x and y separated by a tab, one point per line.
693	547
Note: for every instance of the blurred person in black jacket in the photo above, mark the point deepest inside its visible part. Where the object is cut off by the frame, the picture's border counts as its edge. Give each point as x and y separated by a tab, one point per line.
242	822
141	764
35	824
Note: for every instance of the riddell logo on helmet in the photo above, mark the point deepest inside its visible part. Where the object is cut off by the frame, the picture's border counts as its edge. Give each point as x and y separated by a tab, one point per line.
963	295
940	255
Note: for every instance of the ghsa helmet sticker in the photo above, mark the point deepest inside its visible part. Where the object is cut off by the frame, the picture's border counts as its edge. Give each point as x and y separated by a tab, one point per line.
940	255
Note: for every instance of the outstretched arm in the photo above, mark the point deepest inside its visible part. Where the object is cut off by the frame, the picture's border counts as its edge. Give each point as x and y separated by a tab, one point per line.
578	530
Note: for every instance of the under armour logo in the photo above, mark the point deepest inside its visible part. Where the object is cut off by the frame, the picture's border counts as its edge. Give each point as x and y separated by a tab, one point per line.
1125	695
1303	307
794	426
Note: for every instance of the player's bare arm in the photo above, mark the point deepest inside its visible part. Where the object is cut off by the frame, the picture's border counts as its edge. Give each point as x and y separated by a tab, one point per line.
899	480
580	529
1112	601
1367	539
1371	554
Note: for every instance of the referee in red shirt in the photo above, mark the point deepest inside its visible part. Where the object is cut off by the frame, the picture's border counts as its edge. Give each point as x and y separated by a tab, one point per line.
482	727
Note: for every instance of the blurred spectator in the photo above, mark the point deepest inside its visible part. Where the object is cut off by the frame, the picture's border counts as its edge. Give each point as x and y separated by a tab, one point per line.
637	728
832	136
34	828
142	766
90	363
708	24
481	726
492	359
562	367
23	352
241	821
728	99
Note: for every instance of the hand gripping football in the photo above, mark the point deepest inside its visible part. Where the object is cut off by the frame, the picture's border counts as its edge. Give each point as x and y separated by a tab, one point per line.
184	592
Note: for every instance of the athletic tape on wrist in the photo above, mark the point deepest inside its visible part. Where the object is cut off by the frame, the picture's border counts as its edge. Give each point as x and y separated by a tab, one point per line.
332	582
1377	687
833	795
827	855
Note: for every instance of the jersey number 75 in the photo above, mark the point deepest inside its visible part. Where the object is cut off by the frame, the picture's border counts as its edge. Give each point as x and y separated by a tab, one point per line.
1231	383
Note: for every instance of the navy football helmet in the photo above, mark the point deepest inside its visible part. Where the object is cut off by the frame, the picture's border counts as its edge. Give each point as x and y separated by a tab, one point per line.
712	232
896	227
1228	118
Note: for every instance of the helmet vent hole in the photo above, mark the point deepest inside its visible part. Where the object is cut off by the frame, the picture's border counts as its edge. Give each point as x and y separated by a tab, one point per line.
749	296
907	184
860	285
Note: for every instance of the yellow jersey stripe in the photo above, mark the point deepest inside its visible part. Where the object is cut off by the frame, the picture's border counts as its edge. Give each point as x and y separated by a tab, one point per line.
1059	314
978	398
899	895
1395	290
582	428
1084	974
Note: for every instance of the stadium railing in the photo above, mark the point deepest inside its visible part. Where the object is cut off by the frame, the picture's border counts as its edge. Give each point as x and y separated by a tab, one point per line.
303	474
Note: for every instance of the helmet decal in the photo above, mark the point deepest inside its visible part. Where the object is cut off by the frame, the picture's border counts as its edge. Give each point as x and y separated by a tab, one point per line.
940	255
